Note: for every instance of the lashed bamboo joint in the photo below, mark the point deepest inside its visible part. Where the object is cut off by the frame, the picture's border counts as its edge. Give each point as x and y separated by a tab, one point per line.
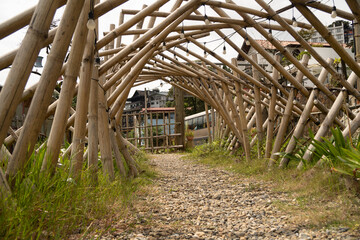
263	103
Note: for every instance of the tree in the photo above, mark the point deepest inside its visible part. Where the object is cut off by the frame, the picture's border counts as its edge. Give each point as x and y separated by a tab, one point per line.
192	104
306	34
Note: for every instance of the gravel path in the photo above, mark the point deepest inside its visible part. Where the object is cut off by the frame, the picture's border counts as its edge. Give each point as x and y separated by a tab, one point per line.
191	201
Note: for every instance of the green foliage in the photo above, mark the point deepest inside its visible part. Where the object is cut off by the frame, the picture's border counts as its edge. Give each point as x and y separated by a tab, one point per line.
341	154
301	54
306	34
45	207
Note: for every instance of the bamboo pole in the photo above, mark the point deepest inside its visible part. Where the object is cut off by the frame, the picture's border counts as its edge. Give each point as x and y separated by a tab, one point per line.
127	81
222	20
286	117
110	46
99	10
213	123
240	104
128	24
104	133
328	9
324	32
259	120
232	107
160	31
41	100
67	91
277	65
93	124
179	116
307	46
5	155
355	8
299	129
134	172
21	20
208	123
145	50
5	190
251	11
324	128
139	25
24	62
78	140
254	140
271	114
225	114
117	154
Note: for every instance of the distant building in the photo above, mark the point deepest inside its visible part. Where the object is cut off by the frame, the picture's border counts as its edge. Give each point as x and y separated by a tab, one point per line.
342	33
155	99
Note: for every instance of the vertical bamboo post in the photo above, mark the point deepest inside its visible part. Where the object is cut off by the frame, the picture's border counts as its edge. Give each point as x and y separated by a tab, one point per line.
104	135
121	21
179	116
139	25
259	120
271	113
110	46
146	121
208	123
66	94
24	61
213	123
42	98
78	142
357	46
93	124
136	130
151	133
157	129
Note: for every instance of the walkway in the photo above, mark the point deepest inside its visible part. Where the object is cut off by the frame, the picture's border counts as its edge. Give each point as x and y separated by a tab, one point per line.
192	201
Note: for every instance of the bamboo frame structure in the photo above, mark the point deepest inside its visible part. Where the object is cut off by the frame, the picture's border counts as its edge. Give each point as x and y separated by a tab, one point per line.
241	99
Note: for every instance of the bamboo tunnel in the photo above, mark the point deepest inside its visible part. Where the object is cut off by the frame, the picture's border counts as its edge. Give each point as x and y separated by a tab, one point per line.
101	71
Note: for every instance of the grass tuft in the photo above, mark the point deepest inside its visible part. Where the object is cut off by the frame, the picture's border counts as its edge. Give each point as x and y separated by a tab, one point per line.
44	207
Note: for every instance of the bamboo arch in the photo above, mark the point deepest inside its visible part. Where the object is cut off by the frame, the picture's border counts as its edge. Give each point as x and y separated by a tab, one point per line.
239	98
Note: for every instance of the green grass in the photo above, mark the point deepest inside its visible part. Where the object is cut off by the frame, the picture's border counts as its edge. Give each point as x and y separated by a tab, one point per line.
319	197
43	207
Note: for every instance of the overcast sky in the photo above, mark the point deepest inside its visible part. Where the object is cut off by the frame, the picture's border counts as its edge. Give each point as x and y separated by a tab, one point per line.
11	8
